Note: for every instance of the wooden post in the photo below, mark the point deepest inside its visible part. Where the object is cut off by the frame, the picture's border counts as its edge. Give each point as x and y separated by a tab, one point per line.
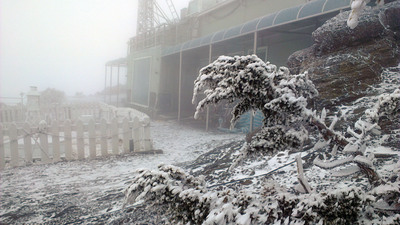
114	138
13	134
67	140
55	141
103	141
146	135
136	135
2	155
44	143
303	182
27	143
127	134
80	140
92	139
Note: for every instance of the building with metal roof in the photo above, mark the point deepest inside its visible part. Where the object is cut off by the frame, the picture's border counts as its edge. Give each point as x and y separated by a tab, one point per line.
162	66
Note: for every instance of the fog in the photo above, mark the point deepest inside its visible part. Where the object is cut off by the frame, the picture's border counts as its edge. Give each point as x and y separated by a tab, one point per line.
63	44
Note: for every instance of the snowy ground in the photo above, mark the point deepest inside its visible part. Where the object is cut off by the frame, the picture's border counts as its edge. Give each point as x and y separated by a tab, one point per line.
92	191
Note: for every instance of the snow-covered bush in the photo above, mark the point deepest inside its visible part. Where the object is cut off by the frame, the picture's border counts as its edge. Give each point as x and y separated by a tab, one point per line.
182	194
281	97
343	206
388	106
271	139
187	200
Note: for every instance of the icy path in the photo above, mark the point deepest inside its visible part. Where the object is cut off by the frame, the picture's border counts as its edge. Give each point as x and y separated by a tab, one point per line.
92	191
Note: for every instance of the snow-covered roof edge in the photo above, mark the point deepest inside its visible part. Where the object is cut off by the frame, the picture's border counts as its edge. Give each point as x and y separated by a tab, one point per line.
284	16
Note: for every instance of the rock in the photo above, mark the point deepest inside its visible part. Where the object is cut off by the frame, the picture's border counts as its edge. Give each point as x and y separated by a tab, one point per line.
346	75
335	34
215	163
344	62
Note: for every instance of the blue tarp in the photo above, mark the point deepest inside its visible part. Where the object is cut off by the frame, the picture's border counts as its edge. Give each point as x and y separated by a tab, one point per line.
243	124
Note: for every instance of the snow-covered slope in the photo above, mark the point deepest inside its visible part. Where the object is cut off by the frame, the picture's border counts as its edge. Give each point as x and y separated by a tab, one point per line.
92	191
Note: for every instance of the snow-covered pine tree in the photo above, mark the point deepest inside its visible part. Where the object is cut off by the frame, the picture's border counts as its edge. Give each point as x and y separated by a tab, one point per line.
281	97
254	84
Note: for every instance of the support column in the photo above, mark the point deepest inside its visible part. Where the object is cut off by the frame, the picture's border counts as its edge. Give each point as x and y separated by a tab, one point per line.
180	86
208	108
255	53
111	69
105	84
118	86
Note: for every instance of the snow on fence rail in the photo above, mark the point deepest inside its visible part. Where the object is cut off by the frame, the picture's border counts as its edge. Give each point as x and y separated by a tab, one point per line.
54	141
97	110
69	111
11	113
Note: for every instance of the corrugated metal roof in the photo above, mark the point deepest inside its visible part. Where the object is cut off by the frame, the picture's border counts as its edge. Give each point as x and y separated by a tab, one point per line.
250	26
233	32
285	16
219	36
206	40
266	21
310	9
331	5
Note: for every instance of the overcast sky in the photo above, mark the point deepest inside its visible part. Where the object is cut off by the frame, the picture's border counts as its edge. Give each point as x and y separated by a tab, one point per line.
63	44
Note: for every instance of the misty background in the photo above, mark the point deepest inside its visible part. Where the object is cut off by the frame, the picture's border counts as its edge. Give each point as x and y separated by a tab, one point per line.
63	44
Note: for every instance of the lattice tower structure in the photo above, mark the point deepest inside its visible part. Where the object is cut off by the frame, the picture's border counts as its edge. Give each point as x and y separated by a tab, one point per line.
145	21
152	24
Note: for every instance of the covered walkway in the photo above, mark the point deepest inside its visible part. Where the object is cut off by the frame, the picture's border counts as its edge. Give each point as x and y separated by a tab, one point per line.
272	37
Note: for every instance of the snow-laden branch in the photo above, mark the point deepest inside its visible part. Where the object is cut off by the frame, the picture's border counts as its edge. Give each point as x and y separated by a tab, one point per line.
254	84
332	164
257	85
388	105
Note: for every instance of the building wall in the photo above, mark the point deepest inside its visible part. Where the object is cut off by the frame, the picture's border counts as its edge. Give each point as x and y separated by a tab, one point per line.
154	55
273	45
169	80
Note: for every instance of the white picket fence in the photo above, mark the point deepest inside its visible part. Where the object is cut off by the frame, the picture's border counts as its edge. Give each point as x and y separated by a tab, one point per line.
9	114
69	111
57	141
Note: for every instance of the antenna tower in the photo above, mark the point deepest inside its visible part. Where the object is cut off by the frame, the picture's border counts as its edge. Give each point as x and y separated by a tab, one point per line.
150	15
145	20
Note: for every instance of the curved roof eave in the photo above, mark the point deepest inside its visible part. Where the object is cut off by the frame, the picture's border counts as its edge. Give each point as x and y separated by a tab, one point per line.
284	16
117	62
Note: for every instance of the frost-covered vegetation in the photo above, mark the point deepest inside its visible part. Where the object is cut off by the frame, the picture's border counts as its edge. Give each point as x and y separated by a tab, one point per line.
188	200
387	107
356	193
281	97
352	164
